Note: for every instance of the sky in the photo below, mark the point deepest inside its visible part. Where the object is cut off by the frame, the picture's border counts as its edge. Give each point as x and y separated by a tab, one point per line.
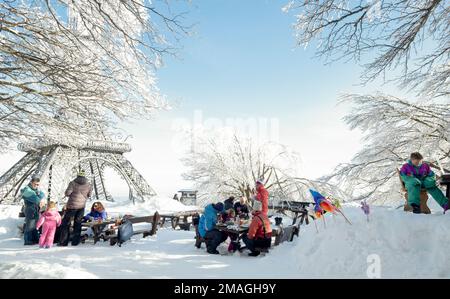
241	64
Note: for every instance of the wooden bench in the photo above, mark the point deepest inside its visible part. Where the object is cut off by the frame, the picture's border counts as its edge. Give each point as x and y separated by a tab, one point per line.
297	208
276	233
286	234
111	234
182	220
423	198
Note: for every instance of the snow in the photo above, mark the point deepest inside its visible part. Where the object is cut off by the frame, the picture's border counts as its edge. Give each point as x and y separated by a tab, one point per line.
162	204
407	246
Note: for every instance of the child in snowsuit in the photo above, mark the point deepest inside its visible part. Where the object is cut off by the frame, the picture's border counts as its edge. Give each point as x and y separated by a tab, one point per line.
417	175
49	220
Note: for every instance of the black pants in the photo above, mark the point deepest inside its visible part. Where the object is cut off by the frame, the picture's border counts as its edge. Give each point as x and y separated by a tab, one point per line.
30	233
256	243
214	238
65	227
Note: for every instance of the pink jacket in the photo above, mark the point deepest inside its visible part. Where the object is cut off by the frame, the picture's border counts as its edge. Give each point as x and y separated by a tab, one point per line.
49	217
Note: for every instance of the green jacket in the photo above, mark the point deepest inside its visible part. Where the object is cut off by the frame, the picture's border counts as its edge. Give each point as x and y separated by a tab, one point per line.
31	196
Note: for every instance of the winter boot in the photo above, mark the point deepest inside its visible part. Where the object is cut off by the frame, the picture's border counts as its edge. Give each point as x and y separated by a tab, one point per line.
211	251
198	242
416	208
446	207
254	253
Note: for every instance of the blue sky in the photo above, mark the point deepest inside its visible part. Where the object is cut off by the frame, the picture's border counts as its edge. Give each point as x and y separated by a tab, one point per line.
242	62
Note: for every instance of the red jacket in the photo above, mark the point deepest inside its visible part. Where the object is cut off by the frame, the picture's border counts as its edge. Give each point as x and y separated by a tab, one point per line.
262	195
256	229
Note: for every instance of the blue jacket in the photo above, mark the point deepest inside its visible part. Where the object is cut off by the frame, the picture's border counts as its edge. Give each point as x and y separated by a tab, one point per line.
31	196
96	215
208	220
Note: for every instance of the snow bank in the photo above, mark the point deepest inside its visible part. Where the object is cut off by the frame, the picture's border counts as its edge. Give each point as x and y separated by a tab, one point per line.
163	205
41	269
406	246
9	221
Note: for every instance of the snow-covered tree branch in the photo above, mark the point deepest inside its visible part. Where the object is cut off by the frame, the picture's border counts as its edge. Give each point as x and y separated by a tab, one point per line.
411	34
393	129
221	167
80	66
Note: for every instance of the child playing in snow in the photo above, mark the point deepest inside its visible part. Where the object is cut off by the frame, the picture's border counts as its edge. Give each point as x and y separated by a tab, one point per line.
49	220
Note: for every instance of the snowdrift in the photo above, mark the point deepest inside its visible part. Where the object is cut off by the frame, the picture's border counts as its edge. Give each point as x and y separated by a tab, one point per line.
406	246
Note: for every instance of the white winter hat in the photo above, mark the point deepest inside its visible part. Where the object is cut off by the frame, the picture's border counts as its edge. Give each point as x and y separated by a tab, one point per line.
257	206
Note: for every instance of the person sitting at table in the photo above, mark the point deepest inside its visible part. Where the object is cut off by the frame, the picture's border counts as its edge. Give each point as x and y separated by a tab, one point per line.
229	203
228	215
241	207
259	234
207	227
97	213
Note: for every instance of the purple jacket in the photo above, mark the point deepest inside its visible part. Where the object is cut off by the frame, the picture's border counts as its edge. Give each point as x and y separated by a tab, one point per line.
419	172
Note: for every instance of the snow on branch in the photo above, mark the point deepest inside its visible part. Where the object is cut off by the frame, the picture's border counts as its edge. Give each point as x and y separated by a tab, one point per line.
79	67
230	166
393	128
410	34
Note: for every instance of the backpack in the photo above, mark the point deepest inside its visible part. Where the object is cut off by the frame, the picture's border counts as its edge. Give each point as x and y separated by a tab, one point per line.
124	232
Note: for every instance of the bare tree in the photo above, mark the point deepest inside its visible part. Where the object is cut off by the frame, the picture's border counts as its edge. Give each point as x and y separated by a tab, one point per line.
221	168
393	129
80	66
411	34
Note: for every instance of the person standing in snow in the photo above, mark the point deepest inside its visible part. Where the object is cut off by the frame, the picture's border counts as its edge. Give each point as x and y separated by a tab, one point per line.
207	227
241	207
417	175
49	220
33	200
262	195
78	191
260	231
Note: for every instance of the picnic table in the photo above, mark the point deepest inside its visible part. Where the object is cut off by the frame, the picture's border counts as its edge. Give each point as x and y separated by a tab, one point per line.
298	208
97	228
101	232
243	228
183	220
233	230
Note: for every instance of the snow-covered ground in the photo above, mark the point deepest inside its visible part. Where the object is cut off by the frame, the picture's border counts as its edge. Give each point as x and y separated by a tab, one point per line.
397	244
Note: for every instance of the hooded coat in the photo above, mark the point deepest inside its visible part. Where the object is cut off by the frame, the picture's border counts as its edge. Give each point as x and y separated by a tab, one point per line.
78	191
208	220
49	220
262	195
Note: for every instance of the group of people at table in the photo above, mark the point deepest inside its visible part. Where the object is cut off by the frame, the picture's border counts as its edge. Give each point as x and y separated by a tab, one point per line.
259	234
43	224
42	227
